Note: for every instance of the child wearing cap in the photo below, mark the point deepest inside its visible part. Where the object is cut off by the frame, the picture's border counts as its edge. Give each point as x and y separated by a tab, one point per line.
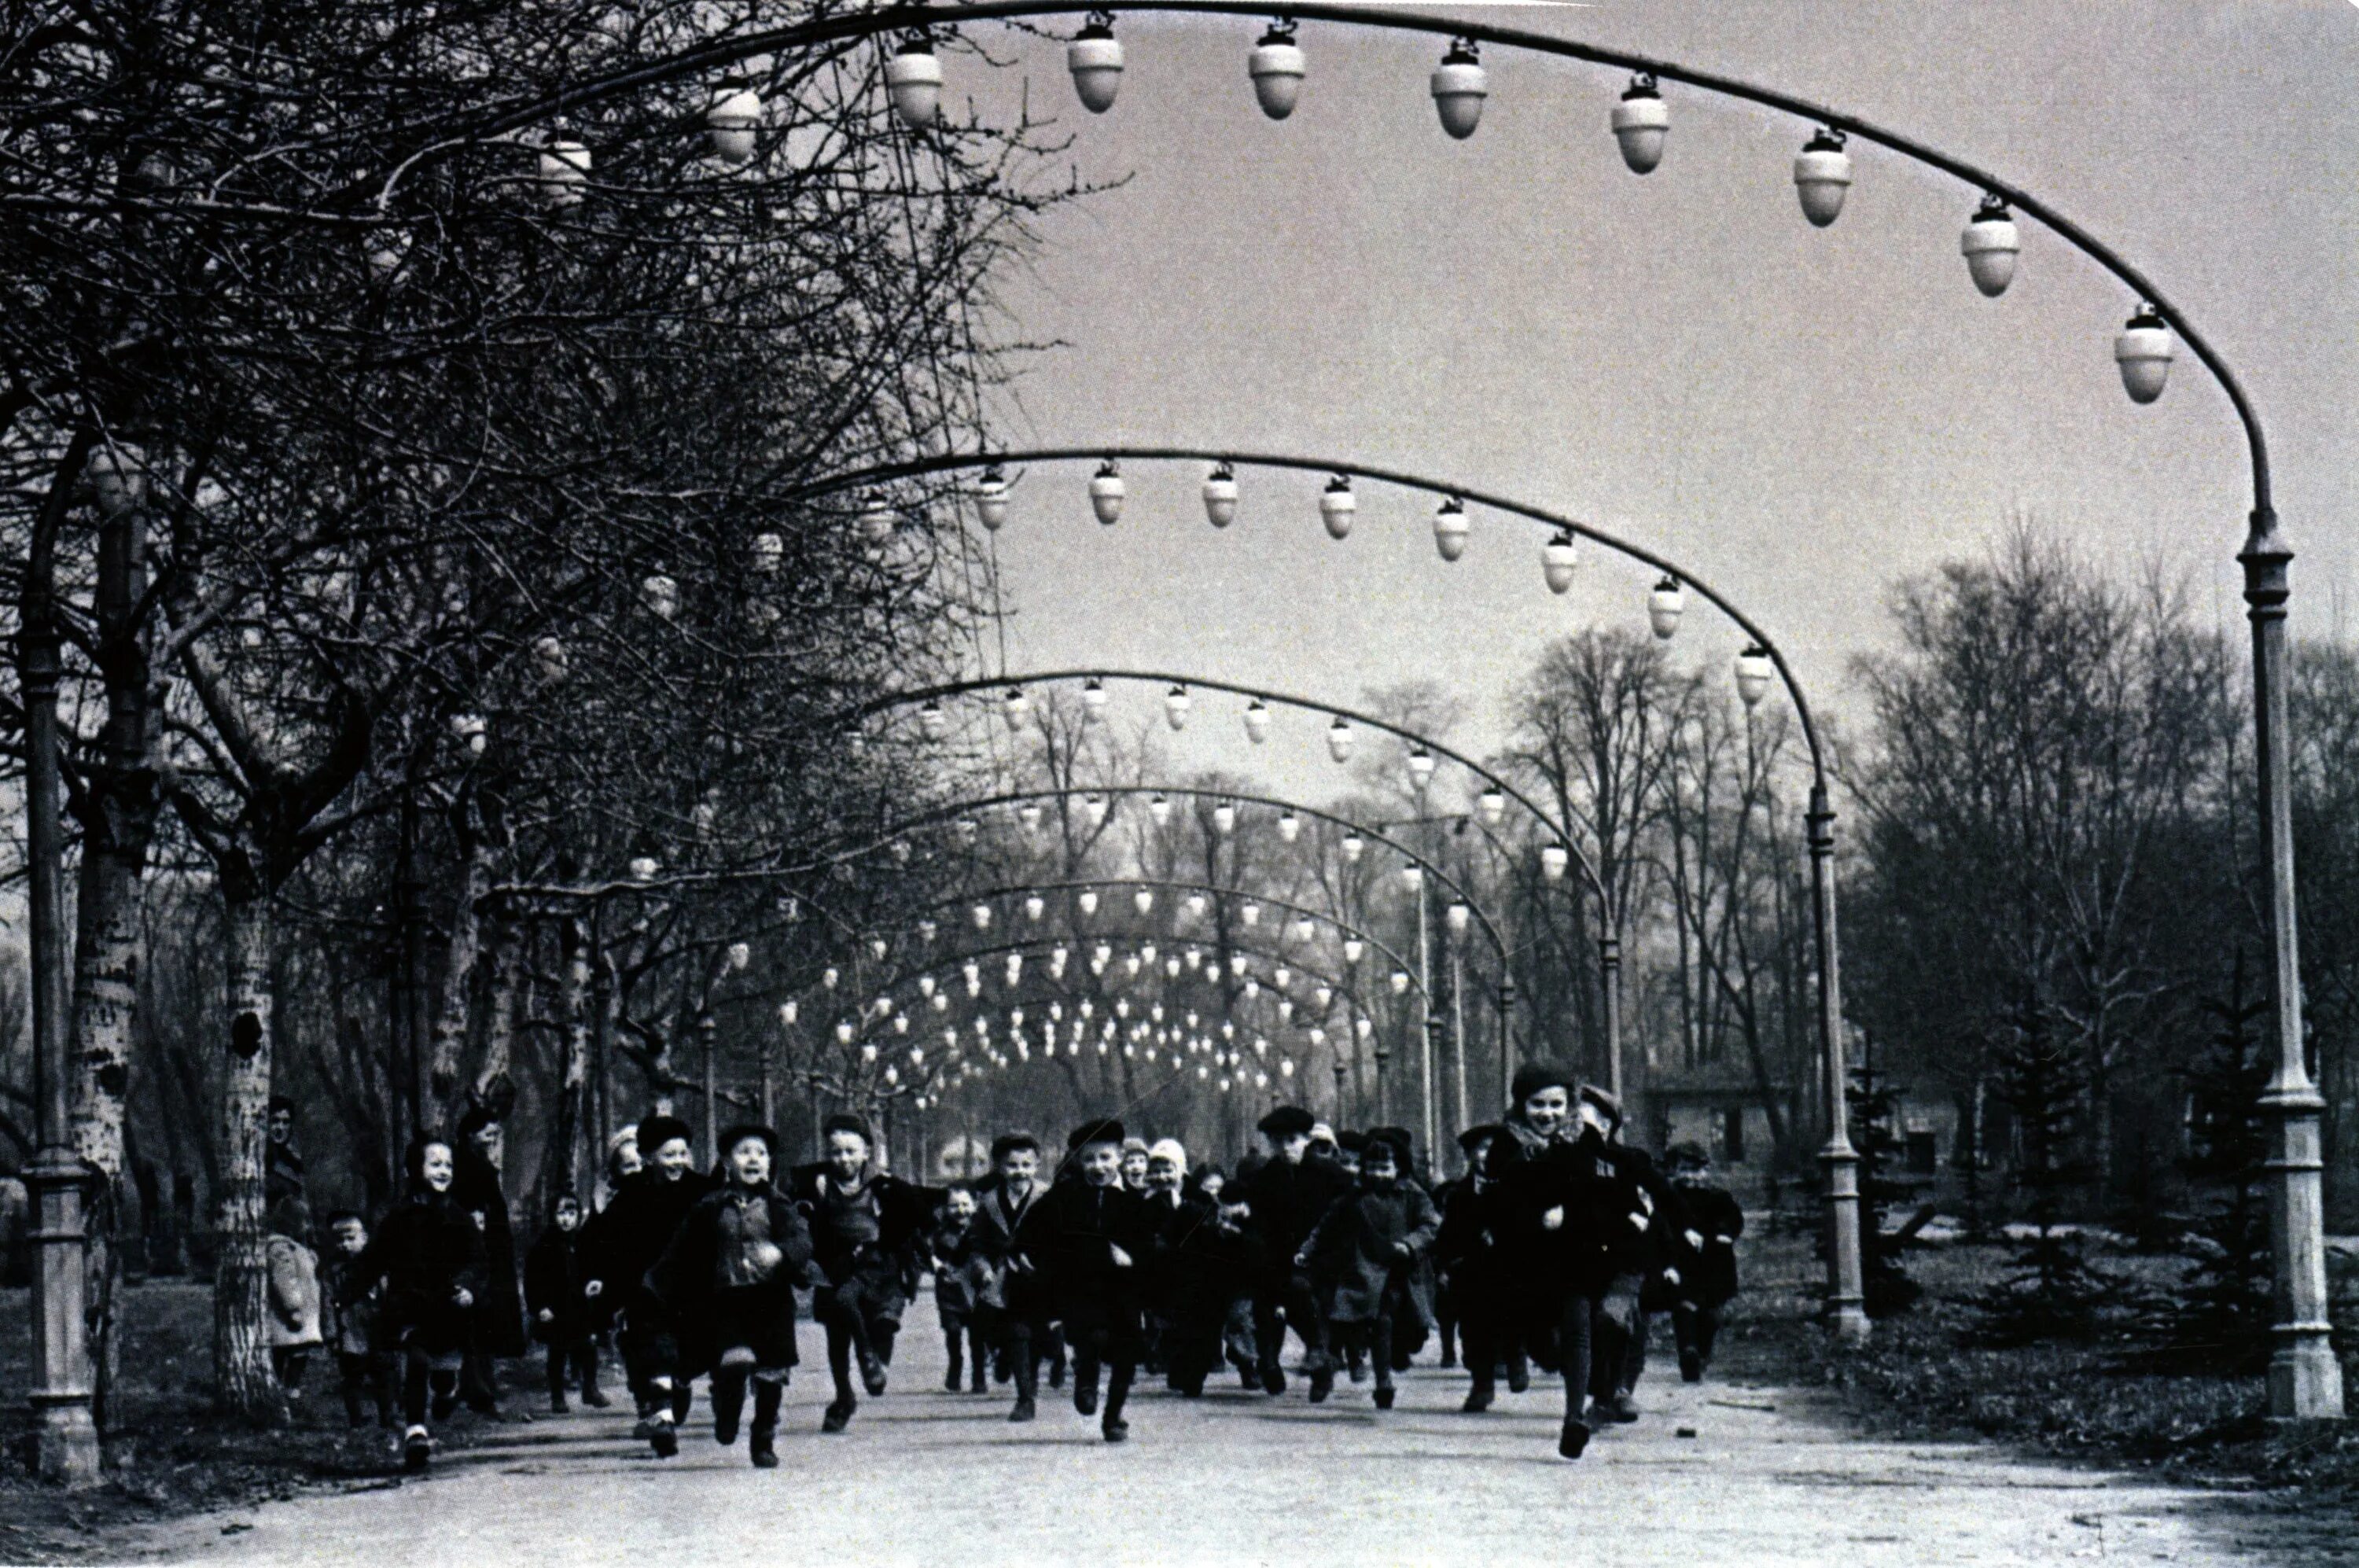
1087	1238
1363	1256
1705	1223
632	1232
728	1280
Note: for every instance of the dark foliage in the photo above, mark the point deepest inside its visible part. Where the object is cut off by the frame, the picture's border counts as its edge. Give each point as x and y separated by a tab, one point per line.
2219	1319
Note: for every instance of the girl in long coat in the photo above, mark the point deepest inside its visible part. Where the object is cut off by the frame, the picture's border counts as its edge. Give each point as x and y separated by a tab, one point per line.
429	1256
1367	1253
727	1280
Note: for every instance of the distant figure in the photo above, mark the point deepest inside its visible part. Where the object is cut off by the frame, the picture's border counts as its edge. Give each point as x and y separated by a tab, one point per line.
293	1269
282	1167
563	1318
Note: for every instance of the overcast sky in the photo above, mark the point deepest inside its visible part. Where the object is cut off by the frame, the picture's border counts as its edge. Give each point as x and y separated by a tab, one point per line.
1799	415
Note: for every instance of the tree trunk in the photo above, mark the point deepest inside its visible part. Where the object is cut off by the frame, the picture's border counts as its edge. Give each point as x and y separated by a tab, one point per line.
243	1384
451	1018
507	994
565	1154
118	821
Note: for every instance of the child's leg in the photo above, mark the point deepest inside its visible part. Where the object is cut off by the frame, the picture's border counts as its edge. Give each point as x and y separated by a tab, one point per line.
381	1379
839	1355
414	1377
1123	1354
769	1394
975	1348
1380	1342
1707	1330
445	1384
955	1341
585	1370
556	1375
352	1376
1086	1355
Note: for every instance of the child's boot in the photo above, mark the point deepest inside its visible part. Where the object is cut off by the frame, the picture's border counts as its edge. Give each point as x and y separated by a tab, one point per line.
729	1393
768	1396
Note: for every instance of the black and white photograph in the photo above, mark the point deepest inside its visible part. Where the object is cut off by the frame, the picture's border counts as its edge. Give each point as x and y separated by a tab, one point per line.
972	782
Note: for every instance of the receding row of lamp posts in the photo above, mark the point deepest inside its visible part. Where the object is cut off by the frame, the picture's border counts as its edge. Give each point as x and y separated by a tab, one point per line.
1822	172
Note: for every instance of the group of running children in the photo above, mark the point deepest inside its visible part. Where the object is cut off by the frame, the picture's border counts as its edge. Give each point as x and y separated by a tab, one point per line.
1553	1248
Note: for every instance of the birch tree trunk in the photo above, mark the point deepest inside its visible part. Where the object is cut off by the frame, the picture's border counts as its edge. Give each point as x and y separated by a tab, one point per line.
452	1017
575	1003
243	1384
118	812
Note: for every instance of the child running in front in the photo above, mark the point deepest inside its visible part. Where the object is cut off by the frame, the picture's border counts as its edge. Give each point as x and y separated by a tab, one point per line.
1088	1238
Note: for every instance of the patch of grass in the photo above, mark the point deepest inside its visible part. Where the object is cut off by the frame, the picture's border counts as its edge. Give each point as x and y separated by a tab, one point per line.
169	1454
1924	1375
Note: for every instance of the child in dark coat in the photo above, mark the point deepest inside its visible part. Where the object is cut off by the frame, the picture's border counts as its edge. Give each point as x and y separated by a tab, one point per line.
428	1256
562	1316
364	1365
1087	1238
632	1232
959	1270
1365	1257
1706	1222
866	1228
728	1280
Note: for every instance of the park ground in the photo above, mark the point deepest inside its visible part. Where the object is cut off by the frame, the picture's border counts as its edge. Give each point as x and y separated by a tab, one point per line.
1921	1450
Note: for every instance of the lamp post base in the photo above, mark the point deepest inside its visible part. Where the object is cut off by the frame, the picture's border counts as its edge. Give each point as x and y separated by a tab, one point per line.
1846	1304
67	1451
2305	1377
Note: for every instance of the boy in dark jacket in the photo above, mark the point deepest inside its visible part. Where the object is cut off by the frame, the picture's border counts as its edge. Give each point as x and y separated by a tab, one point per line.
1365	1257
865	1229
1283	1198
363	1365
958	1271
728	1281
1087	1238
562	1316
1707	1221
1008	1304
428	1256
629	1237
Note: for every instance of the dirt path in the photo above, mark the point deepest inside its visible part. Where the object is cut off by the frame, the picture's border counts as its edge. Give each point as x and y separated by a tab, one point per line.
929	1476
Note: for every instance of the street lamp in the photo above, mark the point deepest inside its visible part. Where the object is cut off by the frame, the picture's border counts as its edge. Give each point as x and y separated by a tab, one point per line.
1558	559
1450	528
2143	351
1094	57
1990	245
1257	721
1754	671
1175	704
1338	507
1339	740
914	78
1641	120
1822	177
1459	86
1221	496
1106	492
735	113
1665	606
1093	699
991	498
1421	770
1278	68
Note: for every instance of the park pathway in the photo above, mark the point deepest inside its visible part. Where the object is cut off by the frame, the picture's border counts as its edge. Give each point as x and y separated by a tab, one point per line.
928	1476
